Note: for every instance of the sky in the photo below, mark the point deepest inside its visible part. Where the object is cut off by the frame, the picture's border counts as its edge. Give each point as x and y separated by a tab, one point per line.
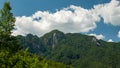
100	18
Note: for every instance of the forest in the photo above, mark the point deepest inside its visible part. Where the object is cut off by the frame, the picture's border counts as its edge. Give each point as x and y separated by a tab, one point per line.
77	50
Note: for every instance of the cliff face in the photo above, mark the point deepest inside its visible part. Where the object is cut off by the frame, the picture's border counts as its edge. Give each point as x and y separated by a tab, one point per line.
52	38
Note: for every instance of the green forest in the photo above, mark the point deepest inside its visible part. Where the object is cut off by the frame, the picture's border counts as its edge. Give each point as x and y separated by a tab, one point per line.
54	49
77	50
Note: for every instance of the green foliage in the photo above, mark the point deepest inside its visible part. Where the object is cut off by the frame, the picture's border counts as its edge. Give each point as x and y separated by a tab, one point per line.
23	59
7	20
32	43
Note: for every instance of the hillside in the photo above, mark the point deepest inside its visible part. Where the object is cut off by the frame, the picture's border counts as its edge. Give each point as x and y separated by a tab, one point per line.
78	50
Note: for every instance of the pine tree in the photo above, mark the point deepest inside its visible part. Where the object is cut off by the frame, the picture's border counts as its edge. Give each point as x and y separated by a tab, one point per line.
7	21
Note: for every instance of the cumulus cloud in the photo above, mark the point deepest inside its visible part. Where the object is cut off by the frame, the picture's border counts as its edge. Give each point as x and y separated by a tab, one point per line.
70	19
97	36
119	34
110	12
110	40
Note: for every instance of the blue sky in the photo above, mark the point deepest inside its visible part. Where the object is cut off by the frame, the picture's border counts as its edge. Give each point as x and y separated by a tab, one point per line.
27	8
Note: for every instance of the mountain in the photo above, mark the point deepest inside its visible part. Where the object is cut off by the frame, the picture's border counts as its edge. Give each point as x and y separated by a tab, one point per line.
78	50
12	54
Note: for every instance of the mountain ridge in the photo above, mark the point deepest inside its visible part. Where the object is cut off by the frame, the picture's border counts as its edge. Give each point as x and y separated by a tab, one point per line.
78	50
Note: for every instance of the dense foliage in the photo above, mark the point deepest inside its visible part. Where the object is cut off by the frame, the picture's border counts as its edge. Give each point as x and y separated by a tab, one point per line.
24	59
80	51
7	21
12	55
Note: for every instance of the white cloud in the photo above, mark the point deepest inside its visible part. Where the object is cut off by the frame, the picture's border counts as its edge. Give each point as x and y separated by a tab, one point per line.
71	19
110	12
110	40
97	36
119	34
78	20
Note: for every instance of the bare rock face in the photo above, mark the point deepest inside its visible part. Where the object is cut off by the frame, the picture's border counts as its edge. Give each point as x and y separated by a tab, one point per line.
52	38
96	41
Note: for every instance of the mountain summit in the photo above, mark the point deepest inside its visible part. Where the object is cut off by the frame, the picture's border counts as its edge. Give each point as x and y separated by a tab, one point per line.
52	38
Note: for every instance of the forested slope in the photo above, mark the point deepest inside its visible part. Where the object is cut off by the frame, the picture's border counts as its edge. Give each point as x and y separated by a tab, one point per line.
78	50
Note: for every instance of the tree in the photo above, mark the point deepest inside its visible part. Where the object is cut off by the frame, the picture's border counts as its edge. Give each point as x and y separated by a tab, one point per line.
7	21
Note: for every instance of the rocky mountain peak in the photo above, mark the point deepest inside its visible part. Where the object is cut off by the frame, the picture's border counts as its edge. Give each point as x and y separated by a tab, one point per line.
53	37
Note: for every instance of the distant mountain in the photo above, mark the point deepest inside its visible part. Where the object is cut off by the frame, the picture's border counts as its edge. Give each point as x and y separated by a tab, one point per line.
78	50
